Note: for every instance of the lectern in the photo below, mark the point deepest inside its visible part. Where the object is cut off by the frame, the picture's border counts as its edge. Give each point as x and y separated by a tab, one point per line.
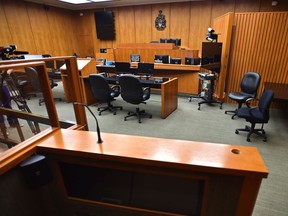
85	68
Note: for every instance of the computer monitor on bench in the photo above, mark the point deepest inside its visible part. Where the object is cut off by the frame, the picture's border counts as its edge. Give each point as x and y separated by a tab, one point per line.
146	69
122	67
165	59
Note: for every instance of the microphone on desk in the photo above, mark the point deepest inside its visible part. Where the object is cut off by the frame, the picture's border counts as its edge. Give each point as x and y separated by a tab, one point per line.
97	125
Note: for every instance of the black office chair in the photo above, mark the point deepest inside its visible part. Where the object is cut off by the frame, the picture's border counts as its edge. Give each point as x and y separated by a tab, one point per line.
132	92
256	115
249	87
34	81
104	93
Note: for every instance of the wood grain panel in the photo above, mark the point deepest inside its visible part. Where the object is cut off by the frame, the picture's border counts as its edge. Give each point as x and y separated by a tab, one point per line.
87	35
19	25
5	34
61	34
38	19
247	6
180	18
127	25
199	23
265	53
143	24
220	7
266	5
223	26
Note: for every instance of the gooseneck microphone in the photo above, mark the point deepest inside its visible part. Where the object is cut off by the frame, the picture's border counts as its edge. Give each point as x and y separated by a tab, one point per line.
97	125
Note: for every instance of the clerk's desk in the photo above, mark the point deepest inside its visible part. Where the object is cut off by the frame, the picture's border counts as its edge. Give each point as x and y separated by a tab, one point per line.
188	82
168	88
154	174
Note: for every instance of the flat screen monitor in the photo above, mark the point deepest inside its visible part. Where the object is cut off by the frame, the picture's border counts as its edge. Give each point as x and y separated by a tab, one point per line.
110	63
164	40
146	69
176	41
134	58
33	56
211	56
165	59
122	67
175	60
105	27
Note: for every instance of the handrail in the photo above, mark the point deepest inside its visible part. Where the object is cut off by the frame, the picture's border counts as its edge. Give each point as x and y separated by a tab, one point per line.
15	155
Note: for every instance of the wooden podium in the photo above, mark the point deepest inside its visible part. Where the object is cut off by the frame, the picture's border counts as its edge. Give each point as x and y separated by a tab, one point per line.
85	68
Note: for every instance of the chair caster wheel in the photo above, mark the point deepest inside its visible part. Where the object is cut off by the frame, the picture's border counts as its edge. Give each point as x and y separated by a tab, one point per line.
265	140
125	119
114	113
99	114
139	122
248	140
150	117
121	108
236	132
198	108
98	109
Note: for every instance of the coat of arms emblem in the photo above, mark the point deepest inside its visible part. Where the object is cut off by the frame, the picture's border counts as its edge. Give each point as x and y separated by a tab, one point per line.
160	21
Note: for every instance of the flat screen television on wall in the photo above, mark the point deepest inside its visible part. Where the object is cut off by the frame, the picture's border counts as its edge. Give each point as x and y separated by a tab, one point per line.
105	27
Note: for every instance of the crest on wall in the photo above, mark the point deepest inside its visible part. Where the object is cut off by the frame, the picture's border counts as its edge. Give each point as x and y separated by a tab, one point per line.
160	21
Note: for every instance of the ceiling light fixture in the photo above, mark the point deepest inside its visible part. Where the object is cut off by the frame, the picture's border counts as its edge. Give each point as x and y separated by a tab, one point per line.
83	1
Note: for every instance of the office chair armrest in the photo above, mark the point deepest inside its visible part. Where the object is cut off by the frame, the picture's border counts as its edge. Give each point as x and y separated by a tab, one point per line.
146	90
248	101
252	110
115	88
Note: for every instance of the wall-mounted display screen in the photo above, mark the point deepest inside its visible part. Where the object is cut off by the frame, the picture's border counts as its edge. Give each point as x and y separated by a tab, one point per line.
105	25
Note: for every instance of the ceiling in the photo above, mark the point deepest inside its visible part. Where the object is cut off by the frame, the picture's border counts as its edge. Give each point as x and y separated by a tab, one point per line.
113	3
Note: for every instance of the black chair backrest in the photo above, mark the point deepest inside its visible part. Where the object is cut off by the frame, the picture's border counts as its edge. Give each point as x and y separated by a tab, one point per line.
264	103
100	87
131	89
33	78
250	83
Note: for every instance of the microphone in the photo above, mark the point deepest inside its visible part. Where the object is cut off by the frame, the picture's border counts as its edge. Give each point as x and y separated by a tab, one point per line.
97	125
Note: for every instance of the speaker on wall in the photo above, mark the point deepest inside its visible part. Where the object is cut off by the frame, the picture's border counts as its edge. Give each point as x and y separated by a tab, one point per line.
105	27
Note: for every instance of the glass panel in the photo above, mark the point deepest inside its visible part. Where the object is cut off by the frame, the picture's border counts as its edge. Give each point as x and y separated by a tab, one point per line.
22	92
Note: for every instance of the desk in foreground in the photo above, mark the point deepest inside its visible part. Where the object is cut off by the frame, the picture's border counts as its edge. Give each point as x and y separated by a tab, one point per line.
159	176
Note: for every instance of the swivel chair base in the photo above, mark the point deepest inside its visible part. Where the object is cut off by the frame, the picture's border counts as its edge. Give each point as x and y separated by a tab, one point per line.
139	114
234	112
110	108
251	130
205	100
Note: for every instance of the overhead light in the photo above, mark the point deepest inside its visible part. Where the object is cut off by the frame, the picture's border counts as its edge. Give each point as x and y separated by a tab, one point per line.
83	1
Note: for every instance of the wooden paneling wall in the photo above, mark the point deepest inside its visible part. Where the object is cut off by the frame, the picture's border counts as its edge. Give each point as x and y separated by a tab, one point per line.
37	29
224	26
259	43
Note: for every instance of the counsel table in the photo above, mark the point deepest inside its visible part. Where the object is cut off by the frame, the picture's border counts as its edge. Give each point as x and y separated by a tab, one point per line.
188	82
169	96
